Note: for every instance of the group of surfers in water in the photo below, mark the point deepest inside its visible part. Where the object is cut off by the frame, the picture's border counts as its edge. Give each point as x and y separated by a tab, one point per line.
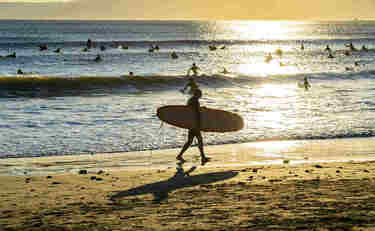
279	52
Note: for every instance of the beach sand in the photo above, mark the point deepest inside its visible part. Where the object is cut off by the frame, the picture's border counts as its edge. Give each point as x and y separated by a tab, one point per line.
261	186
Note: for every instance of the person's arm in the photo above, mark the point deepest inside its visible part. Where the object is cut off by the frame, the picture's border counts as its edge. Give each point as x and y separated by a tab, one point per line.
186	87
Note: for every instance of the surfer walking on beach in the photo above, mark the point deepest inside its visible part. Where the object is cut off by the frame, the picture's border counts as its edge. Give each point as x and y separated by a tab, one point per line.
194	132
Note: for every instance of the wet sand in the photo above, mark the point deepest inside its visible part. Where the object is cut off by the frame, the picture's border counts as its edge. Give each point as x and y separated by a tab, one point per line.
261	193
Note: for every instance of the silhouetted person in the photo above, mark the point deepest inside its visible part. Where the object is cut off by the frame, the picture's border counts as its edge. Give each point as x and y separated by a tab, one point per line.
225	71
268	58
174	55
43	47
152	49
13	55
20	72
194	68
212	47
279	52
351	46
98	58
328	48
194	132
306	84
89	43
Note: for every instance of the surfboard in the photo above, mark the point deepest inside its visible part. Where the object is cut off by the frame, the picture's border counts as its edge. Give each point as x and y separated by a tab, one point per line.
212	120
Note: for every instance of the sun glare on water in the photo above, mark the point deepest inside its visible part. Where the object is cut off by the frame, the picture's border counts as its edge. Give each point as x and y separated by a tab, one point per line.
274	91
271	101
267	69
260	36
261	30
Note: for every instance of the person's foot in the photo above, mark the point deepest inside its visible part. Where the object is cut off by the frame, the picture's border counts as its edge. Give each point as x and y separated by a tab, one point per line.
205	160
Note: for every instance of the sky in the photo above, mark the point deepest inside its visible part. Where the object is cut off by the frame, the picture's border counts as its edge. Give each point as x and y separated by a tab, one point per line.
188	9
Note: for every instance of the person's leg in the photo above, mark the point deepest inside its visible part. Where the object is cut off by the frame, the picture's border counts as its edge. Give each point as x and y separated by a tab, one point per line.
200	144
186	145
204	159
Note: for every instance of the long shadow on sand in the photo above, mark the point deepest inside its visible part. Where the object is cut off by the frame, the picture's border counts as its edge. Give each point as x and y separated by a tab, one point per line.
181	179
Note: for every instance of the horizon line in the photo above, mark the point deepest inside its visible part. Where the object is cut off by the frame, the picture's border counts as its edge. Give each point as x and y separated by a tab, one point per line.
185	19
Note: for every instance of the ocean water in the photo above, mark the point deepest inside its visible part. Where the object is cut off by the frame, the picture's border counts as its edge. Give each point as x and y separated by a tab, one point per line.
67	103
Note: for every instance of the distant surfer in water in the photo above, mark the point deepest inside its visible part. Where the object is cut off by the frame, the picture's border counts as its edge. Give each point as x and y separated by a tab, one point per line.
194	68
13	55
174	55
225	71
279	52
268	58
306	84
20	72
351	46
88	44
328	48
195	132
98	58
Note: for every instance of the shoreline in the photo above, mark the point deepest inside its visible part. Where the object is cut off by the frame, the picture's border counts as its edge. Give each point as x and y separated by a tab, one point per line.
326	196
280	186
227	155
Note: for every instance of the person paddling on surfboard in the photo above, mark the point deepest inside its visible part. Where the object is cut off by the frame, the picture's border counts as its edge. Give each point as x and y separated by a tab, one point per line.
194	132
